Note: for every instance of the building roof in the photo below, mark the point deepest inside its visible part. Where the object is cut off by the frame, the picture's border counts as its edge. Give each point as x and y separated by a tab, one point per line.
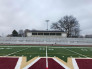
45	31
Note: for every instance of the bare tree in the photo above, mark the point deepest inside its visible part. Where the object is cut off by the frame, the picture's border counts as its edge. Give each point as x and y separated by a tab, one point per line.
68	24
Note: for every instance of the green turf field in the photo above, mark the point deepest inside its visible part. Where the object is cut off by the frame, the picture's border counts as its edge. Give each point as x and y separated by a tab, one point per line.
34	51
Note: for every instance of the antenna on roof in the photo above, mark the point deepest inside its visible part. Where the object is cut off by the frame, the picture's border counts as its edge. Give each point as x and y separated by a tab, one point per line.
47	23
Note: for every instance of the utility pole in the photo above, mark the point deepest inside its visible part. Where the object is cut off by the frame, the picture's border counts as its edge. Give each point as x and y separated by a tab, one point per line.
47	23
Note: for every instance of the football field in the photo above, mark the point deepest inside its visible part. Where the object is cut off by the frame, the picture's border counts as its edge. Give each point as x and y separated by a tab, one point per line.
62	52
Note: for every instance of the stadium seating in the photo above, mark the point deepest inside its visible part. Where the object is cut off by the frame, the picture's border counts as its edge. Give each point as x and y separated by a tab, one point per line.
45	40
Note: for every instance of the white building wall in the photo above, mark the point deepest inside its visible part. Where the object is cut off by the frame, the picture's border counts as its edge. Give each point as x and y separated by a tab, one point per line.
64	35
29	34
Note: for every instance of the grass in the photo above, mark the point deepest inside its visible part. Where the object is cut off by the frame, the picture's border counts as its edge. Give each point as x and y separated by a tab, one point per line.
34	51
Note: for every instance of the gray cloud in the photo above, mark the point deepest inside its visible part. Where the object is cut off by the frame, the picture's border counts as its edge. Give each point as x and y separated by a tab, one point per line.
31	14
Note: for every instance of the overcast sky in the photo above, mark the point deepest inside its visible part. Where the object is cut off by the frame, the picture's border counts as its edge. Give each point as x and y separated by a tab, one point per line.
31	14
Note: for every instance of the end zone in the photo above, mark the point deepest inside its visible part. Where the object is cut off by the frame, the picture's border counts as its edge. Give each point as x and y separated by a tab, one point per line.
40	63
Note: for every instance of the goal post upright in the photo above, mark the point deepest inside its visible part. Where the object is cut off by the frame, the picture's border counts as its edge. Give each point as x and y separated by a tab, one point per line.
46	59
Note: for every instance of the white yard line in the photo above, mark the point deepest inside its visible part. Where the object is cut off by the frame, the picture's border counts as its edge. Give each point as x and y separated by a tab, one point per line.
46	58
77	53
18	63
69	47
16	52
44	46
75	63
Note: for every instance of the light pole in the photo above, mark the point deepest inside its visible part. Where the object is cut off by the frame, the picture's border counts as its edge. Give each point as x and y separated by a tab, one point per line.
47	23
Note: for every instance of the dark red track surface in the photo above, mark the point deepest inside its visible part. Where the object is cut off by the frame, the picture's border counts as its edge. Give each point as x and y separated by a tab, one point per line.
53	64
8	63
84	63
41	64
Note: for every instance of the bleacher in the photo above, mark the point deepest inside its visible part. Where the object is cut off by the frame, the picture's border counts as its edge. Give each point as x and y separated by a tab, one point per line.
45	40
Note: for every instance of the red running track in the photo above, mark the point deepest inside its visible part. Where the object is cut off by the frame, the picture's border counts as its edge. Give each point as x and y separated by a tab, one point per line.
41	64
8	63
84	63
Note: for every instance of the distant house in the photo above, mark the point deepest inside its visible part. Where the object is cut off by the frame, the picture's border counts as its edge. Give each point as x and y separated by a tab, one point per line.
88	36
30	33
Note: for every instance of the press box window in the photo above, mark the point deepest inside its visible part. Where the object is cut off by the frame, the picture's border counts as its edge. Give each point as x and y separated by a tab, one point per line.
52	33
46	33
58	33
34	33
40	33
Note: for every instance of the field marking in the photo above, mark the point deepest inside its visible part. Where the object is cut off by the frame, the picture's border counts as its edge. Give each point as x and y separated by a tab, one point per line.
46	59
61	63
69	47
77	53
18	63
16	52
45	46
75	63
26	67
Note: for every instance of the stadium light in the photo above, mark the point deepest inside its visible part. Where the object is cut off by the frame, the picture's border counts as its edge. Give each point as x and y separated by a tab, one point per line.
47	23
